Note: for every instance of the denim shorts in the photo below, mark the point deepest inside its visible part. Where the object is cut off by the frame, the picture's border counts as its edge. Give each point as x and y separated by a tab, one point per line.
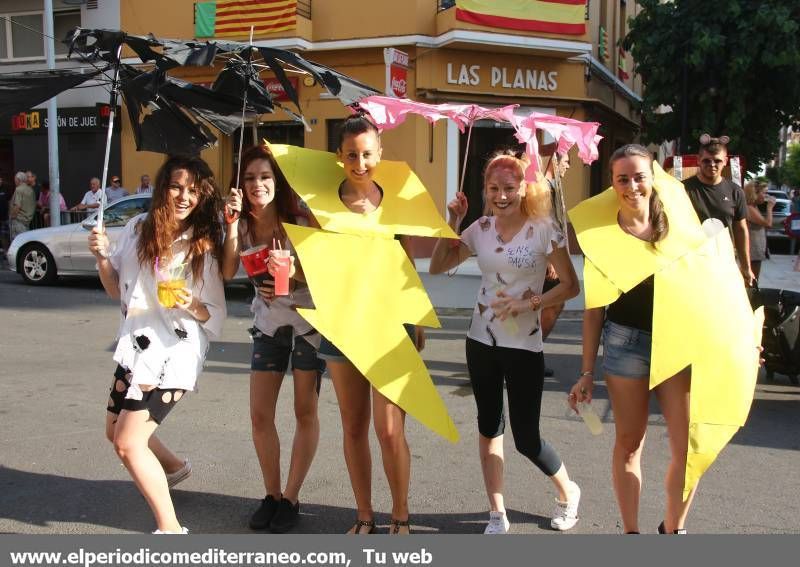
626	351
328	351
272	354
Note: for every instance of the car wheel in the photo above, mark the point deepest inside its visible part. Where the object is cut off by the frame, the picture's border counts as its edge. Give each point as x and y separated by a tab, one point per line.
36	265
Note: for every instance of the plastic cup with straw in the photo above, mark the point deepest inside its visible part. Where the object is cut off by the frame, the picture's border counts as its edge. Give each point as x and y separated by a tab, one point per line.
282	266
170	280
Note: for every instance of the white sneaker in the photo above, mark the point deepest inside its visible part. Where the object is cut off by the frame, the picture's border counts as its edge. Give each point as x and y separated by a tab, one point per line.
180	475
498	524
184	531
565	515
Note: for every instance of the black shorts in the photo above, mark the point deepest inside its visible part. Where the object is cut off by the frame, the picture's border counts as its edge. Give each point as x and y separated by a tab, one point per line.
158	401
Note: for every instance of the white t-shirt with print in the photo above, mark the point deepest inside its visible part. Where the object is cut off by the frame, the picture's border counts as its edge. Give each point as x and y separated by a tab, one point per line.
517	268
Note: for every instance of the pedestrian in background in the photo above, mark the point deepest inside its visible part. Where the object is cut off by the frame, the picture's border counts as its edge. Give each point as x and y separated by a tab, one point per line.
514	245
756	195
92	198
164	270
144	185
713	196
43	204
115	191
23	205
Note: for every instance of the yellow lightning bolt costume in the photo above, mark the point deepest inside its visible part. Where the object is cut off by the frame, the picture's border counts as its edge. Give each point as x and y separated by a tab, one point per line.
363	284
701	315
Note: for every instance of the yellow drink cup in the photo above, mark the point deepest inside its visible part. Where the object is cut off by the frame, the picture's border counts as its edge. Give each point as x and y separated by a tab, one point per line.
166	292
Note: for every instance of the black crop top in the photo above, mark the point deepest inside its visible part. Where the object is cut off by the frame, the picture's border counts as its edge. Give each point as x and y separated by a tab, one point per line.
634	308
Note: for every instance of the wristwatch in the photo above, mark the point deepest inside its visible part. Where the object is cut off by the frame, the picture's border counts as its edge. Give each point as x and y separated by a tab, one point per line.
536	302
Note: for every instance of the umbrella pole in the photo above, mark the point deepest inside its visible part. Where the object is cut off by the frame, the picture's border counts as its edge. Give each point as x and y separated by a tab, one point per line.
111	114
244	107
466	153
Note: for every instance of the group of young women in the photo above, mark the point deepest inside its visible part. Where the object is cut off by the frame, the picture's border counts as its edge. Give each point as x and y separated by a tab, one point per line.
162	343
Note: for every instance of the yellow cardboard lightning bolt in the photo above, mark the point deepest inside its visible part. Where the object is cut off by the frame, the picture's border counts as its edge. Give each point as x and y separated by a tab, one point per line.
383	291
406	208
701	315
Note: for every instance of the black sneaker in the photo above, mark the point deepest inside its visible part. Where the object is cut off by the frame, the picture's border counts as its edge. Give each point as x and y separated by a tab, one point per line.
286	517
262	517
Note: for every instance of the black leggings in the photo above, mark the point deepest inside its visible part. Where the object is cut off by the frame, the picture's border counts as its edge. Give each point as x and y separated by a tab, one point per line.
523	373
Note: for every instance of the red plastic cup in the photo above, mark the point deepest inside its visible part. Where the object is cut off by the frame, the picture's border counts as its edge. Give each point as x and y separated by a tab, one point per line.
281	273
255	263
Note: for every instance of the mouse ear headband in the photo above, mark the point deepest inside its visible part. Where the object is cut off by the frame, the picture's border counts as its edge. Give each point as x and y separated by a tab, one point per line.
706	139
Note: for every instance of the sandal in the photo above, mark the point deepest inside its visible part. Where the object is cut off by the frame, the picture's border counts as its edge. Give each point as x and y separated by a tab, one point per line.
356	529
395	525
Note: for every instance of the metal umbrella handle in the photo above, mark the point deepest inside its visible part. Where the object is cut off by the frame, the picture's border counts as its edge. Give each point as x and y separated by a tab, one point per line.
109	133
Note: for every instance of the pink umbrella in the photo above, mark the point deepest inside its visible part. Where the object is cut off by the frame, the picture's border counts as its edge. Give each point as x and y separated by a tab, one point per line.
388	112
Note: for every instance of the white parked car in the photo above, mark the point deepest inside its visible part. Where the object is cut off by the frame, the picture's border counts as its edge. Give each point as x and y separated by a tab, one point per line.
40	256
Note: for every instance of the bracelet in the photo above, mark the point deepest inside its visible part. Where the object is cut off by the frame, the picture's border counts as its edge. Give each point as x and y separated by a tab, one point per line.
536	302
587	373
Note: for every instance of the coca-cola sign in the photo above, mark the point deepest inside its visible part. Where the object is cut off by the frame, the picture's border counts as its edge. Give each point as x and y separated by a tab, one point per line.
398	81
397	63
275	88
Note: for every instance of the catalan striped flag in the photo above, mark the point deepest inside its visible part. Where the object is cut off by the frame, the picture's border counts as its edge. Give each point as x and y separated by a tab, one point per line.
233	18
550	16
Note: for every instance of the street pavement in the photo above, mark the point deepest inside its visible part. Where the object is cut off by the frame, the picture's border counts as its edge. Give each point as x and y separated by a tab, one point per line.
58	474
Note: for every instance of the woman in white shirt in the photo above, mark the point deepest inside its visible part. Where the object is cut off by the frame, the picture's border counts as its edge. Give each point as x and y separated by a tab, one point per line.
165	272
504	344
256	213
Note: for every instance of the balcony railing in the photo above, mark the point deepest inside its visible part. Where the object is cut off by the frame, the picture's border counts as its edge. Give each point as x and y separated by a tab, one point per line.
442	5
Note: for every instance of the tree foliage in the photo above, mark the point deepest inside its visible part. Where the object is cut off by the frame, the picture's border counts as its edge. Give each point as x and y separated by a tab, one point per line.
738	62
791	168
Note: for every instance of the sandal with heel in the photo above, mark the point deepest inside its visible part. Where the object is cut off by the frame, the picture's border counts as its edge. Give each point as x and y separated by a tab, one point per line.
395	525
356	529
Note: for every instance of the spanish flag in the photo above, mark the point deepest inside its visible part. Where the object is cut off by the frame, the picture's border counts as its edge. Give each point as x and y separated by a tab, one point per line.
233	18
550	16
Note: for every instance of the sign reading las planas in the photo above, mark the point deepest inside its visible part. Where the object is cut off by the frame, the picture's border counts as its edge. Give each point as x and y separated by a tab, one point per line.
528	79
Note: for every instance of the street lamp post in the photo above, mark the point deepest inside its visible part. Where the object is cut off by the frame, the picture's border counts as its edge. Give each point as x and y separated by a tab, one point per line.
52	120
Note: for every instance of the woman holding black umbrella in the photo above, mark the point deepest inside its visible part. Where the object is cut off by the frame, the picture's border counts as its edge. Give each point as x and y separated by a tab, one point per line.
165	272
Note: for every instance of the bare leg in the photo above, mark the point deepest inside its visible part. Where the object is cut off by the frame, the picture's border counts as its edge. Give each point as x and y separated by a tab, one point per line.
306	434
629	397
264	390
353	395
673	397
390	428
133	430
492	461
169	461
755	266
562	483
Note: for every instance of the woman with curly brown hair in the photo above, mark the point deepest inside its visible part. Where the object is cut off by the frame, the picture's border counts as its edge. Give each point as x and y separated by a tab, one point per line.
165	271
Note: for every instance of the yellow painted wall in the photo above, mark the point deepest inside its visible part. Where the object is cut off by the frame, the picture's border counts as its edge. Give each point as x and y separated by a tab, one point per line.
353	19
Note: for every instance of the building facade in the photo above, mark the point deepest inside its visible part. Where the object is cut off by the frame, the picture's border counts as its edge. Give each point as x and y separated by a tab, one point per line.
420	49
82	113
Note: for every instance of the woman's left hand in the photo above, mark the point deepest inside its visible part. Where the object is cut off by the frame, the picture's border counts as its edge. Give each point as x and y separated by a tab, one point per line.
273	262
506	306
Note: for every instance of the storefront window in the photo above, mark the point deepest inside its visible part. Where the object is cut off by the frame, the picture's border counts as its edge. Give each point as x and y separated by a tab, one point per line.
27	35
